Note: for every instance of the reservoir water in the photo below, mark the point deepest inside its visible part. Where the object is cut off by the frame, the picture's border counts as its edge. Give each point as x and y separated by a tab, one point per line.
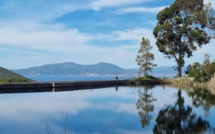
113	110
76	78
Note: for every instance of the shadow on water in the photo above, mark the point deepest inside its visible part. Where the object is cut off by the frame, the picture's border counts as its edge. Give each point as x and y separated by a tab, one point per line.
179	119
202	97
145	104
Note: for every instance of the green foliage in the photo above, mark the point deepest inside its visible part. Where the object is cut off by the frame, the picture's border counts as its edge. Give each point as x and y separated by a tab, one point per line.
181	28
148	77
137	81
211	84
7	76
14	80
204	72
145	58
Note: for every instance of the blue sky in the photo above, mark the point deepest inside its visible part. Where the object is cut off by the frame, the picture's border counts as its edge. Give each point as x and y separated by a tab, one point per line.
40	32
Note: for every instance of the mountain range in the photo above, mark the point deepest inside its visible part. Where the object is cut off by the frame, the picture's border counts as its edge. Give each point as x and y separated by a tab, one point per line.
71	68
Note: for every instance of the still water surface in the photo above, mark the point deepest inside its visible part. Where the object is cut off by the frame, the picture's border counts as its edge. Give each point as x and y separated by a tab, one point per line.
122	110
45	78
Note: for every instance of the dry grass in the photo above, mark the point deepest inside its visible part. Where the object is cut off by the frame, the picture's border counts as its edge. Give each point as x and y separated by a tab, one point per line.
190	84
187	82
211	85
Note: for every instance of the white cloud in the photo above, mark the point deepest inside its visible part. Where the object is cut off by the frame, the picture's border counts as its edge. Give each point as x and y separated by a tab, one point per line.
40	10
98	4
56	43
140	9
27	41
210	1
42	37
135	34
35	44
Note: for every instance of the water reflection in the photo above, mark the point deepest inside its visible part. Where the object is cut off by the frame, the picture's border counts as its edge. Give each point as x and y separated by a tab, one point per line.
202	97
145	104
115	110
66	127
178	118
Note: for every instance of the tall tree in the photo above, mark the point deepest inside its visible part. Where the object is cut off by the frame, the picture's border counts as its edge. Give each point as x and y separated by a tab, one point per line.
145	58
182	27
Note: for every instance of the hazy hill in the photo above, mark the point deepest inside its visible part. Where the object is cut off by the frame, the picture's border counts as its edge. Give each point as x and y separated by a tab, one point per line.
71	68
166	71
9	76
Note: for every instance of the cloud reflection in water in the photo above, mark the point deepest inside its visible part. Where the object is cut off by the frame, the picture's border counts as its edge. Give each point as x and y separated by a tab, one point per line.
87	111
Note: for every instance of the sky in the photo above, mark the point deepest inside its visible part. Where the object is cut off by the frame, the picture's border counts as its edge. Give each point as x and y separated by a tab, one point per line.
38	32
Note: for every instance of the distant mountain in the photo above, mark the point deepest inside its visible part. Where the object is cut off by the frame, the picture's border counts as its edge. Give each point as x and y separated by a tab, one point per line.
71	68
166	71
9	76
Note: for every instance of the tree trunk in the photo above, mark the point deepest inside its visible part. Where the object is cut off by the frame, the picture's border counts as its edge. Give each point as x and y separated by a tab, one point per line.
179	71
180	63
179	67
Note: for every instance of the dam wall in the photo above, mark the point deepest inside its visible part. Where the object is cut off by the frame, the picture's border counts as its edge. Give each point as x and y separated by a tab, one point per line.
66	86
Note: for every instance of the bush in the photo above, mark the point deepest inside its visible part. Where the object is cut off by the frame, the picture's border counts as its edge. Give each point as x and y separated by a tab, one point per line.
201	73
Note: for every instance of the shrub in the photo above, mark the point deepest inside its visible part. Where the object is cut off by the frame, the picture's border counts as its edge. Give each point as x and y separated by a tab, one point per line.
201	73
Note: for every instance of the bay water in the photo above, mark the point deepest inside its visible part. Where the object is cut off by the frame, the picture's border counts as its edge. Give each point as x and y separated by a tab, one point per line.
113	110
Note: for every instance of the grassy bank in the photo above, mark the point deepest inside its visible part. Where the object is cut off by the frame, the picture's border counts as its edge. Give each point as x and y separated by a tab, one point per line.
7	76
191	84
14	80
149	80
211	85
187	82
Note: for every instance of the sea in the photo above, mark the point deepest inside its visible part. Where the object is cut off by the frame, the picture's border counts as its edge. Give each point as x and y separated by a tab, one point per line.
77	78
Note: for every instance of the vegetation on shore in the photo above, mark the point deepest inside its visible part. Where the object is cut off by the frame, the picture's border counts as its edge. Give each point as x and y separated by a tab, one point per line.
7	76
144	59
198	75
144	80
191	84
182	28
211	85
202	72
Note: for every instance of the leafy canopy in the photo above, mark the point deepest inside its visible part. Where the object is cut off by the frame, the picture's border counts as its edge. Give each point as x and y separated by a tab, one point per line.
204	72
144	58
181	28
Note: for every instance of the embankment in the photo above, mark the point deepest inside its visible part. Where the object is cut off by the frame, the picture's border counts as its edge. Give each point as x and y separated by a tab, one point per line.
65	86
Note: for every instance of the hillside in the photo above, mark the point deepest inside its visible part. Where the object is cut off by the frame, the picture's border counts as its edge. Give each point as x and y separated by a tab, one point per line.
71	68
9	76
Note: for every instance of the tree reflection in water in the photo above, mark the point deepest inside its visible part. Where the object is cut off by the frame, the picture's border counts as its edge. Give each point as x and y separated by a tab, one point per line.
202	97
145	105
179	119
